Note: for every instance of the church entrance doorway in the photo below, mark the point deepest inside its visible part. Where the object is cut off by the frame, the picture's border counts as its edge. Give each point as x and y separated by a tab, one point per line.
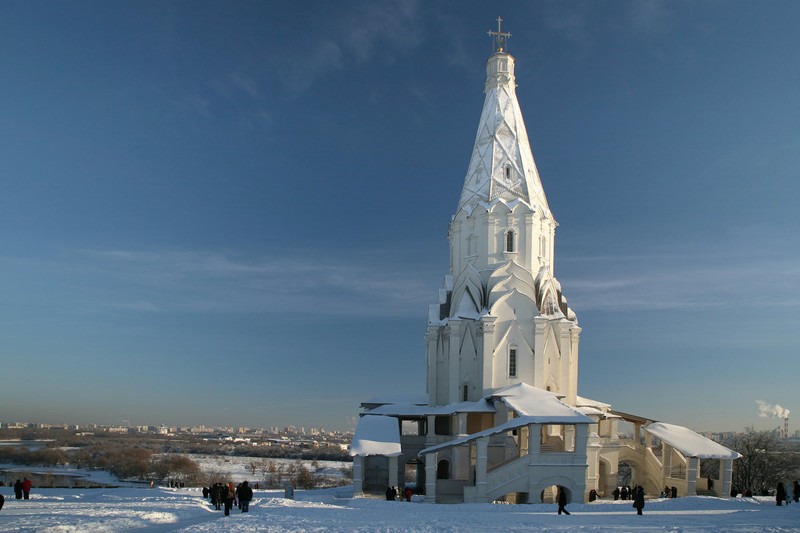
550	494
414	476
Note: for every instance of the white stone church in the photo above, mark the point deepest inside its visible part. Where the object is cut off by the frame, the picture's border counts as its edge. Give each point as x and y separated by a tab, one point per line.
502	418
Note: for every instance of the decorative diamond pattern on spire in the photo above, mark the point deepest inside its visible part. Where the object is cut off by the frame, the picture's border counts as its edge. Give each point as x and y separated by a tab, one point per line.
502	166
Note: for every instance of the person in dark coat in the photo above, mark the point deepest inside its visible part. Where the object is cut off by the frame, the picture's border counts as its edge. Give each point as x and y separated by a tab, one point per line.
616	494
216	496
780	494
638	499
18	490
562	501
796	491
2	501
205	493
245	495
230	497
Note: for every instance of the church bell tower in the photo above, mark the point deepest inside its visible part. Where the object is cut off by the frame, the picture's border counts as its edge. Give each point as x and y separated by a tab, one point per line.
501	317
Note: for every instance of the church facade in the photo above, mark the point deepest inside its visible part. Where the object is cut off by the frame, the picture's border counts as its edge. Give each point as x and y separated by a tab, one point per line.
502	418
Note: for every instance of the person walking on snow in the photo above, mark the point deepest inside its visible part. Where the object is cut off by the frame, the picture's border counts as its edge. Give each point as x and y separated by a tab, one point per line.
245	495
562	501
638	499
230	497
780	494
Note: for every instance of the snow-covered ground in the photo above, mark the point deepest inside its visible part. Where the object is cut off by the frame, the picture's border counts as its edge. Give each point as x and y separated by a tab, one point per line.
163	509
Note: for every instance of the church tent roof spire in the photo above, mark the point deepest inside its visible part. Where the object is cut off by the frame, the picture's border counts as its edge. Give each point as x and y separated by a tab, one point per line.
502	168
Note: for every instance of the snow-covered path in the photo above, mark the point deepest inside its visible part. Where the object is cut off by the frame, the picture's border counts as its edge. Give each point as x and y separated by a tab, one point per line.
162	510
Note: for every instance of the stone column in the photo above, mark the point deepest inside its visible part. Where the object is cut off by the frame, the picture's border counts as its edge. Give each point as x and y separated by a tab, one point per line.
432	349
430	477
393	471
358	475
564	347
581	443
454	234
691	476
530	241
486	347
481	468
492	224
572	391
456	328
725	477
462	424
534	443
539	372
666	460
430	436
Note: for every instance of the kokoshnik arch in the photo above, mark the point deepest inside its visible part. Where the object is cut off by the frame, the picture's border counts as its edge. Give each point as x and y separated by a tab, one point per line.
502	418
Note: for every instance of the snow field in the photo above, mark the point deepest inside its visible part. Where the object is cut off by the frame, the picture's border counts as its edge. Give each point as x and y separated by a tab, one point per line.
163	509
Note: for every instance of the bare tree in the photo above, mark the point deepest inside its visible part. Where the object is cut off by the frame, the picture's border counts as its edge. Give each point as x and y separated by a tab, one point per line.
765	461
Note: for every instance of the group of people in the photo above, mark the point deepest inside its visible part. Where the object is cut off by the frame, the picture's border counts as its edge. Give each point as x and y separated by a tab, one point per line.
226	496
636	494
22	489
392	493
627	493
782	495
669	492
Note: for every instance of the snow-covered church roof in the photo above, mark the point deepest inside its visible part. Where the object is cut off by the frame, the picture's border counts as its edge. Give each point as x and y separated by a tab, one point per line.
413	410
376	435
541	406
689	443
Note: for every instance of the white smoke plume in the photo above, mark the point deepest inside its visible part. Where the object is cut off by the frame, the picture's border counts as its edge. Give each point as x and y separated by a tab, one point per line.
771	411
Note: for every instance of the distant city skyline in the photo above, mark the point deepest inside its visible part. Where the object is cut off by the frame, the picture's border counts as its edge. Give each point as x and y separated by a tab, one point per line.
223	213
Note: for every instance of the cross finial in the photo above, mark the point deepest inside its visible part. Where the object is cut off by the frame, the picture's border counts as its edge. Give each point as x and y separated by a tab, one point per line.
500	37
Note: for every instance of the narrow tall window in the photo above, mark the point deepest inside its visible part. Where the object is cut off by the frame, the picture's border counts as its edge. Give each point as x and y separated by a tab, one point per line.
508	173
466	393
512	363
510	241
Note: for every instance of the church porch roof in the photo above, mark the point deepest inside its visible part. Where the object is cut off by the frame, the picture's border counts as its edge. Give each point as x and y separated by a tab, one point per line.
689	443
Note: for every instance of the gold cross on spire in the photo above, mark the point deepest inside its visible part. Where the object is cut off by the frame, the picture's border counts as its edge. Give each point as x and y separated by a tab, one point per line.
500	37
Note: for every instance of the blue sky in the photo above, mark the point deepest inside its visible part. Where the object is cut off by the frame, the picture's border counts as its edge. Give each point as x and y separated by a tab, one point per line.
235	213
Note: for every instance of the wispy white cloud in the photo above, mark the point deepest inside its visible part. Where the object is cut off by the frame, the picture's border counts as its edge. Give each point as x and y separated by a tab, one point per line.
216	282
701	281
351	38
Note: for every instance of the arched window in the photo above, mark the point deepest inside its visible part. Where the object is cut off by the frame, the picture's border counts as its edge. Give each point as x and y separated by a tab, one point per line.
466	393
510	240
443	469
512	362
